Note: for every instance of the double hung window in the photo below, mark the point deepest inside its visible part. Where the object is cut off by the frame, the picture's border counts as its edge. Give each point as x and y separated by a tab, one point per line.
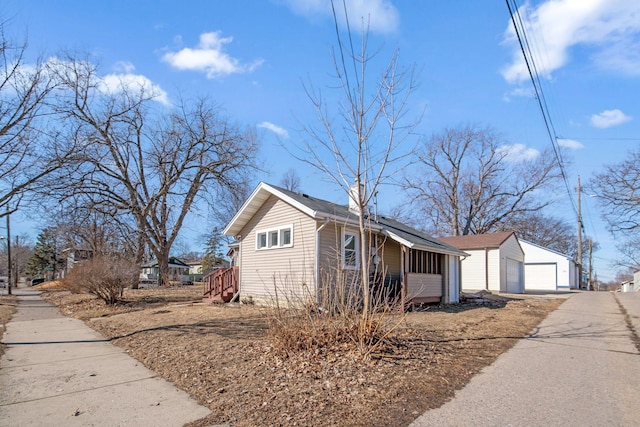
350	250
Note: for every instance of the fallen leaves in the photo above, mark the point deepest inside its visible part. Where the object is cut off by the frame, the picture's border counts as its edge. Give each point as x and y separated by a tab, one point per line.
222	356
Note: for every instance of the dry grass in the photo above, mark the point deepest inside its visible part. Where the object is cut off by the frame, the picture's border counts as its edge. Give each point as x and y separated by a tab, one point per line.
224	357
7	308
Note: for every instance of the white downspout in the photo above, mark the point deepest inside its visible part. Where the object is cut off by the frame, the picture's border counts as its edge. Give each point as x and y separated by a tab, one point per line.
317	266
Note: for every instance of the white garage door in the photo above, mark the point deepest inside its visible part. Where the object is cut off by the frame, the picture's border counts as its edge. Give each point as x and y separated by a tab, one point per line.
515	283
541	277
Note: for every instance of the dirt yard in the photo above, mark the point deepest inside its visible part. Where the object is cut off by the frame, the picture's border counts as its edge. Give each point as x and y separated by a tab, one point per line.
7	308
223	356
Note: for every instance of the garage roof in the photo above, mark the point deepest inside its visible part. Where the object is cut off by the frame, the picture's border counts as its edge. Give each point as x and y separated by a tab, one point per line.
478	241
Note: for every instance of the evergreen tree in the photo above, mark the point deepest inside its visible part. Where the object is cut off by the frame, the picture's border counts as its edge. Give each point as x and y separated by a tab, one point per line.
44	254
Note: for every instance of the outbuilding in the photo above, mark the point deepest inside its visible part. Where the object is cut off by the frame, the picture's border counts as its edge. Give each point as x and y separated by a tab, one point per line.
548	270
496	262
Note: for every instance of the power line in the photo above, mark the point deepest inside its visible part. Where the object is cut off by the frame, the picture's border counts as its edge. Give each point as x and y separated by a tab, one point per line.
601	139
519	29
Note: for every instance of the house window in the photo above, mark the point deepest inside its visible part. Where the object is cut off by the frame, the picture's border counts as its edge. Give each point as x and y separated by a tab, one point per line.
261	240
279	237
350	246
273	239
424	262
285	236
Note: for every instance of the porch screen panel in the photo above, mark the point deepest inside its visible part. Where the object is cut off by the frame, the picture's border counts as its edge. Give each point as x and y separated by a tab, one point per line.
425	262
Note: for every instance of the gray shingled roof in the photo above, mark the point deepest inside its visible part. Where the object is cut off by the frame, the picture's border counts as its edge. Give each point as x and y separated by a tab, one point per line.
390	227
478	241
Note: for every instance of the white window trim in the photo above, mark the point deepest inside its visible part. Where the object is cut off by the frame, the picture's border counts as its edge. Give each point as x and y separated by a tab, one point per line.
268	231
356	235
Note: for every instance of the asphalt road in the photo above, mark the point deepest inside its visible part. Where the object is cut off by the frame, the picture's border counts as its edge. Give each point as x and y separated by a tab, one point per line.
580	367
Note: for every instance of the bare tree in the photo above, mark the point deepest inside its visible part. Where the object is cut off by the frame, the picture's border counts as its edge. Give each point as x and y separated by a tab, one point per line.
468	181
357	152
290	180
629	248
544	230
222	207
151	164
21	250
617	190
28	153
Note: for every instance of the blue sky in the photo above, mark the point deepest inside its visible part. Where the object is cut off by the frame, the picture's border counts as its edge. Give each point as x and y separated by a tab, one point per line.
252	57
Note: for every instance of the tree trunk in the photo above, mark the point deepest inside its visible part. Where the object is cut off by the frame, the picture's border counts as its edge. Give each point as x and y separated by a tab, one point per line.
135	282
163	269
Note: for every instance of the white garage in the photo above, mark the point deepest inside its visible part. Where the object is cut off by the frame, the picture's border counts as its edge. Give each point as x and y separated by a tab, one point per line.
548	270
515	281
496	262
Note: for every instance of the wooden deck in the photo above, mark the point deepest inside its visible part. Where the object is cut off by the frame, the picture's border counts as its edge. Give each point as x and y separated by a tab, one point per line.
221	285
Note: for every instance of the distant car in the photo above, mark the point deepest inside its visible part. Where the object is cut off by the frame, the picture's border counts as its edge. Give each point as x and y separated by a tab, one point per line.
36	281
2	283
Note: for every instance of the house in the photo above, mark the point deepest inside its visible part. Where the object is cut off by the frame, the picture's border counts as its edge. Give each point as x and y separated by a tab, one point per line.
178	272
496	262
627	286
73	258
548	270
195	266
295	246
195	270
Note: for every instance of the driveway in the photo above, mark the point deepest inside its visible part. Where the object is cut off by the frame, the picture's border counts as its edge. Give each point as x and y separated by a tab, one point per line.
580	367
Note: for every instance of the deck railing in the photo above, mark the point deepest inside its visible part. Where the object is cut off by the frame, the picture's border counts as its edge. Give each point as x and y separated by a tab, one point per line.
221	284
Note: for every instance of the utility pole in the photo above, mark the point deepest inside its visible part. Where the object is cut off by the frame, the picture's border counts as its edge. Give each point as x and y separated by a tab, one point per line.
579	238
9	275
590	261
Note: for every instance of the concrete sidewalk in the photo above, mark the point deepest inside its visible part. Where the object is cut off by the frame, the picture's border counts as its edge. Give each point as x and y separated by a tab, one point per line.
58	371
580	367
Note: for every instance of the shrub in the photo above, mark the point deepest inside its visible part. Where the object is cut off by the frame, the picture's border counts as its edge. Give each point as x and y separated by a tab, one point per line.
336	321
103	276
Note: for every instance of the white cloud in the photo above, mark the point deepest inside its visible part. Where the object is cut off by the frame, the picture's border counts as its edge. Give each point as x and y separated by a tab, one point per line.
520	92
124	67
610	29
209	56
609	118
115	83
570	143
518	153
122	79
274	128
381	15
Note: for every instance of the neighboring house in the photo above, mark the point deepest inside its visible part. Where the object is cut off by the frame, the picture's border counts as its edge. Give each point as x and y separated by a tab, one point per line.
195	267
195	270
294	246
74	257
178	272
636	281
627	286
547	270
496	262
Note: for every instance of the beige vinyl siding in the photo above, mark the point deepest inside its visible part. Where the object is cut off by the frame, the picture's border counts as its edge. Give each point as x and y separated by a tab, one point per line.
391	256
424	285
330	251
284	271
330	243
